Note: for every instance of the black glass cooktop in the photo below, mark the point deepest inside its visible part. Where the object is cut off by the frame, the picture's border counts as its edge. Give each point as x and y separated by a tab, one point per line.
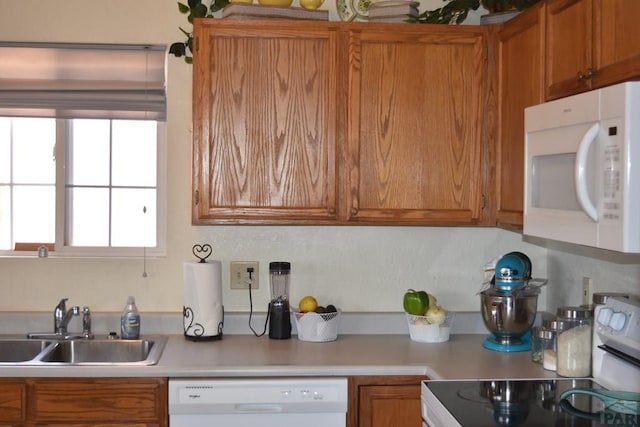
520	403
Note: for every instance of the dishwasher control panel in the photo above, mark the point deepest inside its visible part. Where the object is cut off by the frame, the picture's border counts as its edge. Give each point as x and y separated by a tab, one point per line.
258	395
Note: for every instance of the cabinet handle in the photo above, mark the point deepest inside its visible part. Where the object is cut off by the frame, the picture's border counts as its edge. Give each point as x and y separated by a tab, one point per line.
353	212
582	76
331	211
197	197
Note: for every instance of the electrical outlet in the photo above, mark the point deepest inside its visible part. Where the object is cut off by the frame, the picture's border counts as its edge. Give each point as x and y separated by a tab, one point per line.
240	274
586	290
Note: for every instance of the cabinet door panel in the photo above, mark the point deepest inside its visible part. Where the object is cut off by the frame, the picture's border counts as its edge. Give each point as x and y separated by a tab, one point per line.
569	35
385	401
12	401
415	131
616	41
521	71
265	128
390	406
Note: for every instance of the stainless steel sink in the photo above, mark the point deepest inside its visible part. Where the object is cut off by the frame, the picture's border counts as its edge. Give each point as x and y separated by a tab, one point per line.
20	350
108	352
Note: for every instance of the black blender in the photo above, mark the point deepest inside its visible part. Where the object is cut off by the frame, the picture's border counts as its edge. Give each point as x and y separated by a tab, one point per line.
279	312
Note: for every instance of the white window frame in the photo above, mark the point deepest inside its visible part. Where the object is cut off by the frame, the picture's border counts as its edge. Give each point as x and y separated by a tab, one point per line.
66	251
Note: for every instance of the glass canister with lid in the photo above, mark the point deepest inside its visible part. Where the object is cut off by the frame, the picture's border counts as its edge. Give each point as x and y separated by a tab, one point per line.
549	356
575	329
542	340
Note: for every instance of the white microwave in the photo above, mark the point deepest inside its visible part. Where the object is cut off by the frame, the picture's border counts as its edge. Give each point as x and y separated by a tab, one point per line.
582	169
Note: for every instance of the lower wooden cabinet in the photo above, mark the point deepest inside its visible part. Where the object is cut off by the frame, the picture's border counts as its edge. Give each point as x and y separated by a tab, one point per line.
13	402
79	402
384	401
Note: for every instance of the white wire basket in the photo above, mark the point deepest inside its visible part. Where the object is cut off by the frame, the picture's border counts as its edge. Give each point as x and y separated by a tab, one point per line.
423	329
317	327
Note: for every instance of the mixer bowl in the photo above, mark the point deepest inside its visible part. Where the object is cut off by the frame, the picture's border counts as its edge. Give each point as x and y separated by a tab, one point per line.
509	315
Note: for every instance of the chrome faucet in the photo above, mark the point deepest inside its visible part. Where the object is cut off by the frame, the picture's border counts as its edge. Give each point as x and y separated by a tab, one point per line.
61	319
61	316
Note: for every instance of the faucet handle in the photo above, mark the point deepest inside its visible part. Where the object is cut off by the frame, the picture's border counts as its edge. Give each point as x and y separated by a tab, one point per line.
86	323
62	304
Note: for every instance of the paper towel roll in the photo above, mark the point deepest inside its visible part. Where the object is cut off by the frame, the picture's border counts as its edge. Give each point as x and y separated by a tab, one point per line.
203	313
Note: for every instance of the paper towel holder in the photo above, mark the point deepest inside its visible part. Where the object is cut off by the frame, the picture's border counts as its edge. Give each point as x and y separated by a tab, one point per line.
203	323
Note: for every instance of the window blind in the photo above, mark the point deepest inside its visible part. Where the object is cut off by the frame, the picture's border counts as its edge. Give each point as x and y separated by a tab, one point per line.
102	81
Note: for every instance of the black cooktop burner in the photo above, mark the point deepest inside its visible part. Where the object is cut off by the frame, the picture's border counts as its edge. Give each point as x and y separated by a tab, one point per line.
518	402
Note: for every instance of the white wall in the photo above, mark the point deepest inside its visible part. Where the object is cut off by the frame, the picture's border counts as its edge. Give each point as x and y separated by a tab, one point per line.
609	271
356	268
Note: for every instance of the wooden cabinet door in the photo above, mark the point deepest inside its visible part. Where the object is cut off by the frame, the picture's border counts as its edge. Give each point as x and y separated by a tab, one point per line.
521	84
415	125
265	113
616	41
12	402
98	401
385	402
568	43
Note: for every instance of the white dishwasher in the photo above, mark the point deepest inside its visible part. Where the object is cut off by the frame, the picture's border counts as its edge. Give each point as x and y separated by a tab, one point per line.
264	402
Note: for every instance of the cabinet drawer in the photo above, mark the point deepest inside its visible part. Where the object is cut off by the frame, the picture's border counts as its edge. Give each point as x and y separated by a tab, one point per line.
110	401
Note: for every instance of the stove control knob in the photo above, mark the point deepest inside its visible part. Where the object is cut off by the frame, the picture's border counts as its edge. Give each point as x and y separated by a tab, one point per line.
618	321
604	316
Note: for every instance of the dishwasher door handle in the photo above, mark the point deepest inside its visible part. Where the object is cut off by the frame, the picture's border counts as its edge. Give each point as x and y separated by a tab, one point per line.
258	408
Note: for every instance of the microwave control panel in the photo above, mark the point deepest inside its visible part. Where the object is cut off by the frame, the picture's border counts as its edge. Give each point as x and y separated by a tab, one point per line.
612	173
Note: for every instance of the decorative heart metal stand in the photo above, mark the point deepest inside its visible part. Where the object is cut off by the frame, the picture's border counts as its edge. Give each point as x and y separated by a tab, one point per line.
202	252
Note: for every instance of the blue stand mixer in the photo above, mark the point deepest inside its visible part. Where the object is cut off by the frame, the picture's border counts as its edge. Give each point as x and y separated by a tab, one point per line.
509	306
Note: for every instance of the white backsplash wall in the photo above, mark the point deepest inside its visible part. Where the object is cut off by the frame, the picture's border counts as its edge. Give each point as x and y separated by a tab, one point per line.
609	272
359	269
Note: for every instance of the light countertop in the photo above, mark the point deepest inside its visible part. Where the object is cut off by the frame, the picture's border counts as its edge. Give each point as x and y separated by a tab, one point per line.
463	357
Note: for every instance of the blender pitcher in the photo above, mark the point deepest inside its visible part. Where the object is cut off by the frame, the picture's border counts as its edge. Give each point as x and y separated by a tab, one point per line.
279	312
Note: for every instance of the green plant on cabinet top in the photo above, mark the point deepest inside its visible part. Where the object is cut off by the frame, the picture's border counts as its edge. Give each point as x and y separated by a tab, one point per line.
193	9
456	11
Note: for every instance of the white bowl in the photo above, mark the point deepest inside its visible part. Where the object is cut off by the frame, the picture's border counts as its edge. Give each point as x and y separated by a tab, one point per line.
423	329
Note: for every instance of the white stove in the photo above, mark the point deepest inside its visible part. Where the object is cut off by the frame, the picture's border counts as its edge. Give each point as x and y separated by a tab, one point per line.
538	402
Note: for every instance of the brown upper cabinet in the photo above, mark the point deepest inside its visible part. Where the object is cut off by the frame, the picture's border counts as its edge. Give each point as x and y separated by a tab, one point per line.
265	122
521	45
315	122
299	122
591	44
415	125
554	49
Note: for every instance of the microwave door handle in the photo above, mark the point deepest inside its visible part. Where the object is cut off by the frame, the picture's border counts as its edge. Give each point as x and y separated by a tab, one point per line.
581	172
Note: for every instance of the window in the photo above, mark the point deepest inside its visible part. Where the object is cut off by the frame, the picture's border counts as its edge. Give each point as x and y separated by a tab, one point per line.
82	163
108	196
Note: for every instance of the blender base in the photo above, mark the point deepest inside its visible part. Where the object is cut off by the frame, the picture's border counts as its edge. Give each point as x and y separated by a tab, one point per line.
491	343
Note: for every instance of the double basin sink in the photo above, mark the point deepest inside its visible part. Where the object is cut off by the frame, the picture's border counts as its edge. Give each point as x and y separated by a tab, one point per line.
92	352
